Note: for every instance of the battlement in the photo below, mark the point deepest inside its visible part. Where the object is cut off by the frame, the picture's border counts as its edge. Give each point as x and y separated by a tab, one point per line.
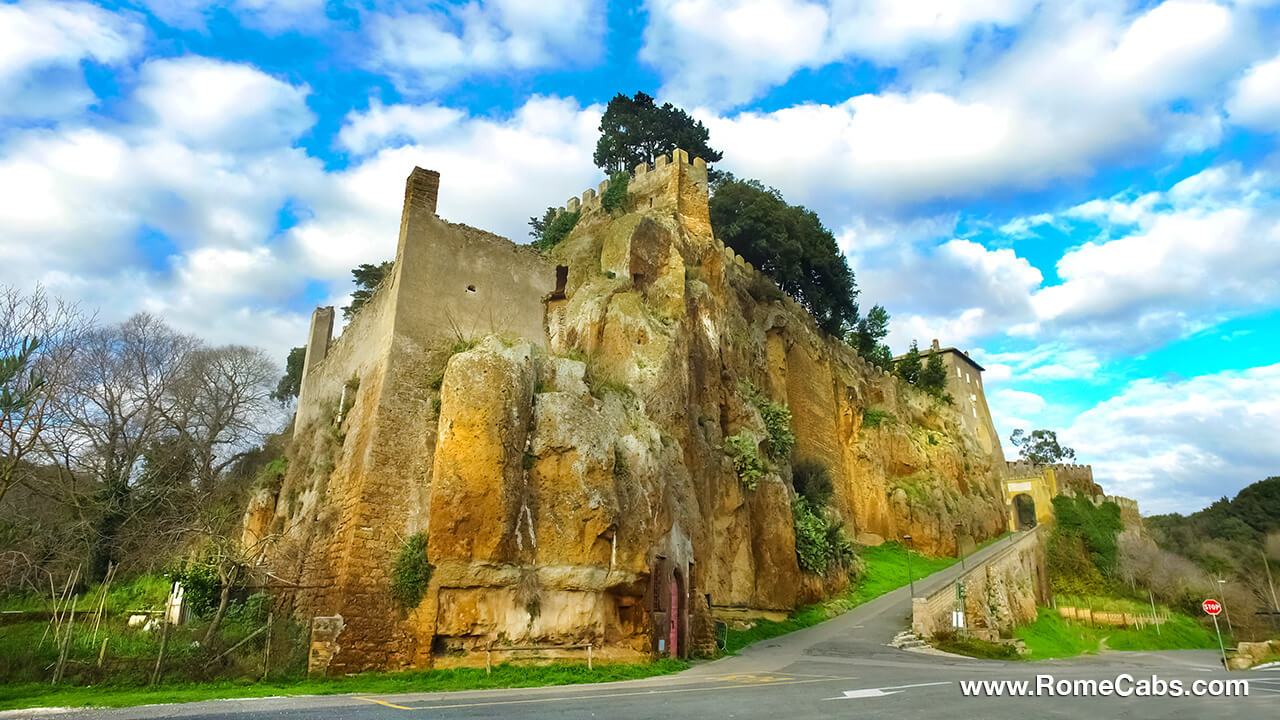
1020	465
673	181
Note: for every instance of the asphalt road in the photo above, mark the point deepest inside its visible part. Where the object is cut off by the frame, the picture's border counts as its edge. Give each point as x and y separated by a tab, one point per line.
841	668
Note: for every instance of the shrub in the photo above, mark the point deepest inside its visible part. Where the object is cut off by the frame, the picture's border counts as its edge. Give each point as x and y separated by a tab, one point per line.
874	418
948	641
813	551
557	230
742	449
272	474
812	482
821	541
412	572
615	196
777	423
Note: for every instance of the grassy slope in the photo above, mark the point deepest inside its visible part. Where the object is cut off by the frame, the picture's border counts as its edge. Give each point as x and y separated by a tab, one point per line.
1052	637
885	570
504	676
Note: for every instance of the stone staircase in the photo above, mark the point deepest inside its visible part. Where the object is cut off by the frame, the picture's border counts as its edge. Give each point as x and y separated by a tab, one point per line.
907	640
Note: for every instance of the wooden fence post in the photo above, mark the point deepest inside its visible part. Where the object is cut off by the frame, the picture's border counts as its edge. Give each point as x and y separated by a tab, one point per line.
66	643
164	645
266	657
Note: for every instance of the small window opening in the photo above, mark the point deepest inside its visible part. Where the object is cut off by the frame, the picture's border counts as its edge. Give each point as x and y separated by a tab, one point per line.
471	288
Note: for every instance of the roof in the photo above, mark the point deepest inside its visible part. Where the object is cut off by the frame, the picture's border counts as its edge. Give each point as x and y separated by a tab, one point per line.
929	351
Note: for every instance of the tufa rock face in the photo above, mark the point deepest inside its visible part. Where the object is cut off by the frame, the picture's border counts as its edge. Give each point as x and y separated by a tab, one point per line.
572	482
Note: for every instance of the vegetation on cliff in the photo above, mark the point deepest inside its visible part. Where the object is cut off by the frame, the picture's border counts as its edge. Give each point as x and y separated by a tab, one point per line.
553	227
1082	547
411	573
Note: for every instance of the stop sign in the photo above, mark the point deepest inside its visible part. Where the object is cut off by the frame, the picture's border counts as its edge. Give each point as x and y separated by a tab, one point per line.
1213	607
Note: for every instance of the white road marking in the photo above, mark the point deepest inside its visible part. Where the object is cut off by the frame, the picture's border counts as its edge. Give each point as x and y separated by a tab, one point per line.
882	691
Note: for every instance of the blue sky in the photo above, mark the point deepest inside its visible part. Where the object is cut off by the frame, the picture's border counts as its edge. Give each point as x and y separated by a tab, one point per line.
1084	194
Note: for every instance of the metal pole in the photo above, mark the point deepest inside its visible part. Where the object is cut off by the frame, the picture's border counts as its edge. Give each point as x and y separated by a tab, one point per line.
1222	585
959	548
1154	618
910	580
1220	645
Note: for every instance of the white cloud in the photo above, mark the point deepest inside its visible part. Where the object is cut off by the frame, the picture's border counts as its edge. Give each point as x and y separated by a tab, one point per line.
229	106
270	16
381	125
435	47
495	173
722	54
1078	86
1179	445
1256	103
1182	260
172	214
41	47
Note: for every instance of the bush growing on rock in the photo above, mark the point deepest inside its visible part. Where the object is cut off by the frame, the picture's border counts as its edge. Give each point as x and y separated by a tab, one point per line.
777	423
743	451
412	572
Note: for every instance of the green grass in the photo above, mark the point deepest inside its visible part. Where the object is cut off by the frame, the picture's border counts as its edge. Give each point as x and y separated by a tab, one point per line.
140	593
884	569
504	676
1050	636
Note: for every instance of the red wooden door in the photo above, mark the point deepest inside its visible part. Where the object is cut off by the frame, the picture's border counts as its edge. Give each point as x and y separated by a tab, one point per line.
673	617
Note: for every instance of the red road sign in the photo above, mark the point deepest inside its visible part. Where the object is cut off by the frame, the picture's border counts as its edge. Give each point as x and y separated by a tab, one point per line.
1213	607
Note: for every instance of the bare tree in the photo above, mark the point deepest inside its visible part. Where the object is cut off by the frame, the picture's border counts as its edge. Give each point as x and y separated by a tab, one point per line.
220	406
43	336
113	409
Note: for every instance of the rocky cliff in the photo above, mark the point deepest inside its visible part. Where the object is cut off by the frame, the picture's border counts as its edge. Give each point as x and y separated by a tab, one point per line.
573	486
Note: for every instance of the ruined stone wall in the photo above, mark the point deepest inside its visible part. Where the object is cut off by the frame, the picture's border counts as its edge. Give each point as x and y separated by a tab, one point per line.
999	595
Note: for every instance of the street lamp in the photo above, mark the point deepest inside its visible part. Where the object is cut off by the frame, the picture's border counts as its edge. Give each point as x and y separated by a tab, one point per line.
1222	585
959	548
910	581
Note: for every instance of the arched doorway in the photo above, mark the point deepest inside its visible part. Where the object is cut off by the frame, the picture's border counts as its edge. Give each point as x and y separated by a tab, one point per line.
670	610
1025	509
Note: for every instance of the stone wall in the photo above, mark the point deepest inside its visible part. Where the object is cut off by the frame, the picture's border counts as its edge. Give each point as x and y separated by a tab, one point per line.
999	595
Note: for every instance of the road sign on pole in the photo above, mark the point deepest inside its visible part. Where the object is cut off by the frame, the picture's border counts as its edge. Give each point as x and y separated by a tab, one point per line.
1213	607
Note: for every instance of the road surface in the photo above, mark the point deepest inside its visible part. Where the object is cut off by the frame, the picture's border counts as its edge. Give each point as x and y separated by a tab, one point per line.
840	668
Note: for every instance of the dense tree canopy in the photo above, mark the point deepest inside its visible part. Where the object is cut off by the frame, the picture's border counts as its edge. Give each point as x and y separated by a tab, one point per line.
635	130
1040	447
790	244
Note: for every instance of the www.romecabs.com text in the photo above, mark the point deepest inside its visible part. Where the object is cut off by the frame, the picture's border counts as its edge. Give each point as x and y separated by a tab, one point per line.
1123	685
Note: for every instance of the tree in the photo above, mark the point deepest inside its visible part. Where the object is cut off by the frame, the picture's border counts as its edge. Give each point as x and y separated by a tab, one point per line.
789	244
291	383
367	278
933	378
909	367
38	339
867	337
552	228
635	130
1040	447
